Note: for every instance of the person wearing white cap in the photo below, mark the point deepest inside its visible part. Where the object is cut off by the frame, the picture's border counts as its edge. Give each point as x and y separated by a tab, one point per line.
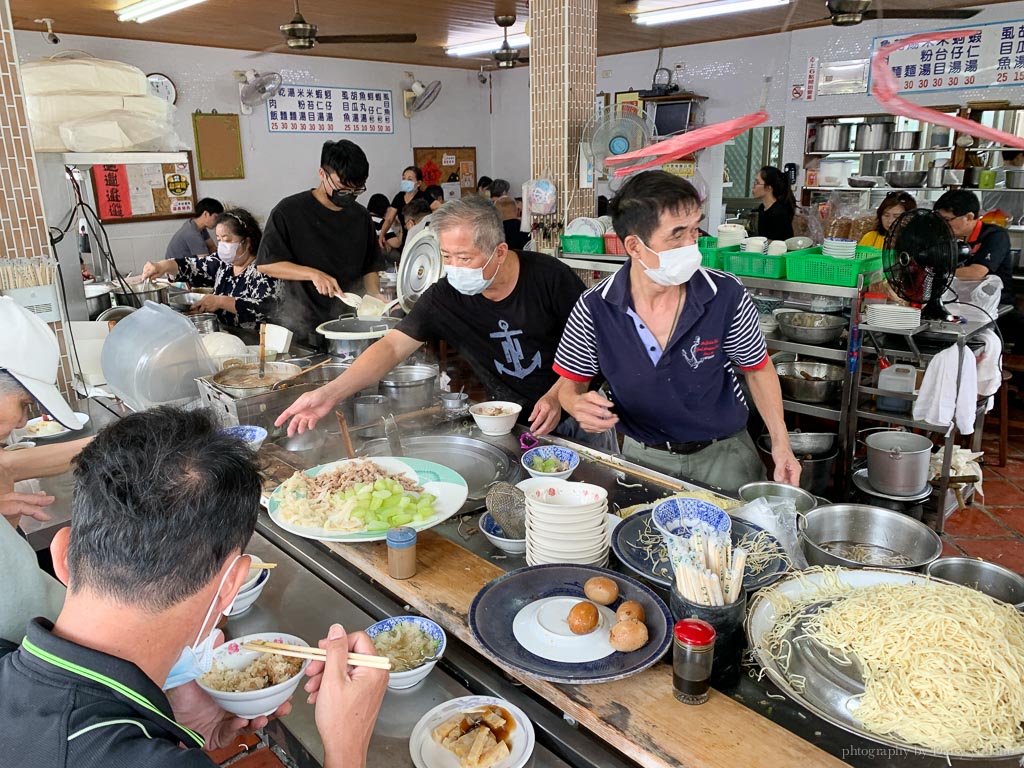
29	359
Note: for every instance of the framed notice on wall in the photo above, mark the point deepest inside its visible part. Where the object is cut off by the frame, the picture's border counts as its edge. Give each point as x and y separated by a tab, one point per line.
144	192
441	165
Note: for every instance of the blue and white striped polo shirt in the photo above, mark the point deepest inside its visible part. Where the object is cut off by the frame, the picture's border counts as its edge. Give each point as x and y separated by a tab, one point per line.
685	392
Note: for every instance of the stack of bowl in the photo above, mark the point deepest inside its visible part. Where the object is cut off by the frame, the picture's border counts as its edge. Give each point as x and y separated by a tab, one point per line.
251	588
730	235
565	522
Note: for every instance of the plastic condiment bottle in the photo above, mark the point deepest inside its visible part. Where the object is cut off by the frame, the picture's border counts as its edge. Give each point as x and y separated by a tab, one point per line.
401	552
693	651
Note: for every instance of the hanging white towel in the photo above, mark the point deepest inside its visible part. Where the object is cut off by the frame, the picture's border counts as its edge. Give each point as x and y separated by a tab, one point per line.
939	401
990	367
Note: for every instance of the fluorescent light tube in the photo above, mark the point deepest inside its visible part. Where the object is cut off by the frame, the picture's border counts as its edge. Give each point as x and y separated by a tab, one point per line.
487	46
147	10
703	10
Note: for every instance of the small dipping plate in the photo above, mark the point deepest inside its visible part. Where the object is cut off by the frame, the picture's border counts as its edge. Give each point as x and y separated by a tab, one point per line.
542	628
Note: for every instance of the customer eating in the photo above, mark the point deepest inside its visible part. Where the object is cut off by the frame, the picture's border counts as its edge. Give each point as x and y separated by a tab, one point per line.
669	337
164	502
891	208
411	189
504	311
242	296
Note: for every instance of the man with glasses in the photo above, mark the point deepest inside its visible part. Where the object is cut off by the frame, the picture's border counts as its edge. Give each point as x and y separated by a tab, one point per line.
321	242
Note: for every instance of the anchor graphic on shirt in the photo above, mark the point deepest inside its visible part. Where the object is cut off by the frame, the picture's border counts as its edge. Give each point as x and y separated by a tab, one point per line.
513	353
691	356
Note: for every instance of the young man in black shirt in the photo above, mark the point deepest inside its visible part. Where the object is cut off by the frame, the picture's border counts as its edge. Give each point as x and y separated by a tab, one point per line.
321	242
503	310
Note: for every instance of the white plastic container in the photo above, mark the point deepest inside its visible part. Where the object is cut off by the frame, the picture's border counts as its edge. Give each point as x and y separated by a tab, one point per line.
834	173
896	378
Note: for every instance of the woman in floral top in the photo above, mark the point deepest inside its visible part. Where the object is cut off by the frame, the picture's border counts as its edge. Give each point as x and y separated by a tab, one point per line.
242	296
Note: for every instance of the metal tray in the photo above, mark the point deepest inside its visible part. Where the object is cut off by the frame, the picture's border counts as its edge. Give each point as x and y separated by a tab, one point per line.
480	463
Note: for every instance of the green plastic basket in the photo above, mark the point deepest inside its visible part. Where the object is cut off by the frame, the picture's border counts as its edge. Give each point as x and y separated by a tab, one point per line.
711	256
582	244
755	264
812	266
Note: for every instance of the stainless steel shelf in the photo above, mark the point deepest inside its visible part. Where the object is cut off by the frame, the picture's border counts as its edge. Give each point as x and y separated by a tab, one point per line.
931	151
875	189
776	342
871	414
766	284
810	409
122	158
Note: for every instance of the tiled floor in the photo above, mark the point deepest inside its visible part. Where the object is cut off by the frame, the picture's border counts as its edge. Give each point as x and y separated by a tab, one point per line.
993	529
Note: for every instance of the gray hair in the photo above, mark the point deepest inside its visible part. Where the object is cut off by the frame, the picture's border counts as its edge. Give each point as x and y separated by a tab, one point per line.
475	212
9	386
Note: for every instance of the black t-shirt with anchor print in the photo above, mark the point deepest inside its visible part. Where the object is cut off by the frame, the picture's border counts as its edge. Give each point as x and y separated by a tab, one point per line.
510	344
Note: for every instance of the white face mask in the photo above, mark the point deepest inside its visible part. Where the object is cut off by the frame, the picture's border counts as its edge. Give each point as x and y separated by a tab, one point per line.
678	265
228	252
470	280
197	659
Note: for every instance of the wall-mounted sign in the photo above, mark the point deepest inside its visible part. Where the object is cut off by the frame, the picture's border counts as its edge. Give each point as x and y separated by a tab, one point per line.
448	160
796	92
836	77
987	56
811	79
330	109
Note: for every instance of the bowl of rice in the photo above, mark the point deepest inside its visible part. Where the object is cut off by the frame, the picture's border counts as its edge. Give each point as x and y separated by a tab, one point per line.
253	684
412	643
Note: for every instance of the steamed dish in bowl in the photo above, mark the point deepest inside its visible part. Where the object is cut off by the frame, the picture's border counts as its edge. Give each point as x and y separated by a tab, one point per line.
492	410
269	669
406	645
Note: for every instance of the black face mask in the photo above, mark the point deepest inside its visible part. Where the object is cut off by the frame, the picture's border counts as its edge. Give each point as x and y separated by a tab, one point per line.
342	199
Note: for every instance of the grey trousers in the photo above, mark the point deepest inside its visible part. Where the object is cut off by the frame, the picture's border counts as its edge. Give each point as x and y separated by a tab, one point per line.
727	464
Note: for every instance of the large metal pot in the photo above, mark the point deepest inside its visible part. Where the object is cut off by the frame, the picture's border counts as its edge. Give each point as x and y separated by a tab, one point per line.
205	322
1015	179
811	382
244	381
872	136
145	291
973	176
994	580
832	136
811	327
904	140
816	453
898	462
829	532
410	387
765	489
351	336
97	299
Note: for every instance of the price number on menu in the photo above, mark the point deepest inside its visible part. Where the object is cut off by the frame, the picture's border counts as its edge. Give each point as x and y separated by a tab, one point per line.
955	81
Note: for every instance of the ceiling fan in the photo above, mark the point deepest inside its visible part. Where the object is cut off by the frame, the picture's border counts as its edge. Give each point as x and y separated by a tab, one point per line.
300	35
506	57
846	13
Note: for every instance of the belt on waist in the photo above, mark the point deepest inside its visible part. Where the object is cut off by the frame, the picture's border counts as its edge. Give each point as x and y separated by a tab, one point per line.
684	449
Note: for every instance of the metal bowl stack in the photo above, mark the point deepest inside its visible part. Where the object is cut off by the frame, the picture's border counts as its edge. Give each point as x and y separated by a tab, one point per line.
905	179
811	382
811	327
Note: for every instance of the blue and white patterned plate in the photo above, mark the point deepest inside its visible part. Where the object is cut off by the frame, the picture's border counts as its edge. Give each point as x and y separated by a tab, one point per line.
444	483
495	607
677	516
638	545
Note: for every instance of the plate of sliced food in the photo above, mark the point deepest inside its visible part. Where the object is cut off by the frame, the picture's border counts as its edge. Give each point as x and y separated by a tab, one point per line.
47	426
360	499
473	732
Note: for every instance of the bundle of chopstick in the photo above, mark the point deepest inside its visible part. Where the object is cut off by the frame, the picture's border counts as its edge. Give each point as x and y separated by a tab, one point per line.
315	654
26	273
710	572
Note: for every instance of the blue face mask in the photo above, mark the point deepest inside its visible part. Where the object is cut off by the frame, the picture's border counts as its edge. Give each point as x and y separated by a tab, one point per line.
197	659
469	280
407	186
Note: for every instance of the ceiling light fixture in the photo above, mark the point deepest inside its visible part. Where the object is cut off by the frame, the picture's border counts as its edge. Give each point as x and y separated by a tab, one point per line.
487	46
147	10
703	10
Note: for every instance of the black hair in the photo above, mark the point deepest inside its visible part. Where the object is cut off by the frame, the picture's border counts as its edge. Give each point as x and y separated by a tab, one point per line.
208	205
347	160
434	192
416	209
378	205
891	200
484	181
1010	155
637	208
602	205
499	188
959	202
241	223
415	170
161	499
778	183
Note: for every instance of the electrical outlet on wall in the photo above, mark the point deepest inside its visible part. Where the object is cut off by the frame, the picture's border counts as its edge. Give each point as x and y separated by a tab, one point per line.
605	74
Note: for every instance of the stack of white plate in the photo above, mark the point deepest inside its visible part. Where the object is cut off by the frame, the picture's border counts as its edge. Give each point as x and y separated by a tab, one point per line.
893	316
585	226
730	234
565	522
839	247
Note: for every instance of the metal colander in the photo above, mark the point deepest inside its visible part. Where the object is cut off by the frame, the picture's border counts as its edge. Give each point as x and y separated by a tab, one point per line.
507	505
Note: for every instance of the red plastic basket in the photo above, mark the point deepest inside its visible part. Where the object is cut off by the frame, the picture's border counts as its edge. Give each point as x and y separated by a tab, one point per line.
613	244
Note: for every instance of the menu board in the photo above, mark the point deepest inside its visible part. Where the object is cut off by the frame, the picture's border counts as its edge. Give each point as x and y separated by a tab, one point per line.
330	109
144	191
987	56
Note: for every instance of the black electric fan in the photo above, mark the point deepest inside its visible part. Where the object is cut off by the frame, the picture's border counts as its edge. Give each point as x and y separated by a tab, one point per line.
919	260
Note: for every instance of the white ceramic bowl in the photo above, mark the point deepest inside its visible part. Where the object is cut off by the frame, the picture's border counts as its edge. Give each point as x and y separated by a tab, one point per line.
398	681
250	435
555	527
490	528
496	425
251	589
559	494
251	704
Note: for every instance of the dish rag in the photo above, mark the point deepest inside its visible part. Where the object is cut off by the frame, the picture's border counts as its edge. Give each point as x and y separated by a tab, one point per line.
939	402
990	367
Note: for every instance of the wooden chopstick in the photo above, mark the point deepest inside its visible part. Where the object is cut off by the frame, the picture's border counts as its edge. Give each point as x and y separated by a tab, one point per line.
262	566
345	436
316	654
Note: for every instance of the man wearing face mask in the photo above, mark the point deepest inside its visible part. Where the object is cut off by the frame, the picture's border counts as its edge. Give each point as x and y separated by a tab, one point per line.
668	336
322	242
164	503
503	310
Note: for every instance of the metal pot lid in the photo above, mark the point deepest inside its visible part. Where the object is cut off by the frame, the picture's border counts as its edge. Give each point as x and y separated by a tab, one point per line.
479	463
860	479
356	328
114	313
421	266
409	374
